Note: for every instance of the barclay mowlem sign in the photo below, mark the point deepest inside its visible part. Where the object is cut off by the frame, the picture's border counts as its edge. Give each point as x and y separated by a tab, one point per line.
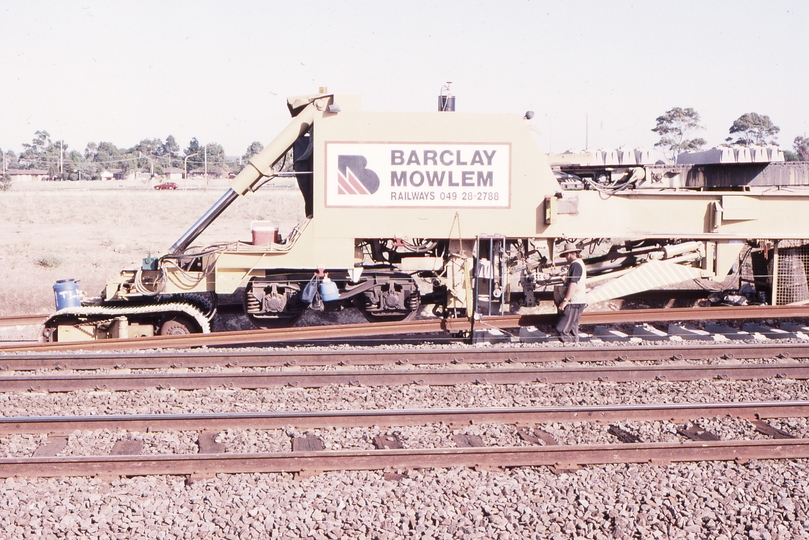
394	175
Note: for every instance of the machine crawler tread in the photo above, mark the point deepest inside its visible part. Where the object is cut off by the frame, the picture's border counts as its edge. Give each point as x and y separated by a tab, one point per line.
98	312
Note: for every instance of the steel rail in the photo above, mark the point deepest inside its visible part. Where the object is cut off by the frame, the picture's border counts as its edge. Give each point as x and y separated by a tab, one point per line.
444	377
403	417
251	337
589	317
22	320
201	465
380	357
295	334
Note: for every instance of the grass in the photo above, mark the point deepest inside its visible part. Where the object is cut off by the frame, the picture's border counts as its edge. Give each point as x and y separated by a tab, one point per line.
63	231
49	261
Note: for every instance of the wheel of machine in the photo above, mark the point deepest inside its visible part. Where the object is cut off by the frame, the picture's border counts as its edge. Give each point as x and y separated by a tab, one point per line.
275	302
49	334
394	298
178	325
391	315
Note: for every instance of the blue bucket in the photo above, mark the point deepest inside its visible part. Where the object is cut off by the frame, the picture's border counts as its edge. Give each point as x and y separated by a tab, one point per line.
66	293
328	290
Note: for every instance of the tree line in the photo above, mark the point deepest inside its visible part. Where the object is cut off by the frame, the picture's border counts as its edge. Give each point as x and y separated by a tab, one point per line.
153	156
677	124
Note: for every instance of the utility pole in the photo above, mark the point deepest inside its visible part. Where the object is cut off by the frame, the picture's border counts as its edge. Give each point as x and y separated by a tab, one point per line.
206	161
185	163
151	163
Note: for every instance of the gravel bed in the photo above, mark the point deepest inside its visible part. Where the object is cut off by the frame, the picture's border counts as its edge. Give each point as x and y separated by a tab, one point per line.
728	500
719	500
346	397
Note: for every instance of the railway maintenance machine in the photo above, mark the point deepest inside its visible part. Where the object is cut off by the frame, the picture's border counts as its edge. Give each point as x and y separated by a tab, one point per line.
443	213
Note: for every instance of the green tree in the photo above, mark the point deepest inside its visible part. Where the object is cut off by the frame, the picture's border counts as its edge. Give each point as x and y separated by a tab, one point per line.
9	160
674	127
90	151
801	145
33	154
215	156
5	179
254	148
210	155
148	152
106	156
198	160
106	152
753	128
56	158
74	160
215	153
171	152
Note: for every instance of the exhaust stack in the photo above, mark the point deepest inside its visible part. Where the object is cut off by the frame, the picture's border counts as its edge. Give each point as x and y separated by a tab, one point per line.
446	101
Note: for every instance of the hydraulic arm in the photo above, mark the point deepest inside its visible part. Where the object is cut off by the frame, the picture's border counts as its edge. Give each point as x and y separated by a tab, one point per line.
259	166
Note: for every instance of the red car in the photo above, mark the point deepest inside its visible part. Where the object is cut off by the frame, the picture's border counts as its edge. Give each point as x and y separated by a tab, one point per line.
166	185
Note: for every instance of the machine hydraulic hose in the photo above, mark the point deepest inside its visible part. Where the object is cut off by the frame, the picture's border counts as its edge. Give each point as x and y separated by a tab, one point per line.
259	166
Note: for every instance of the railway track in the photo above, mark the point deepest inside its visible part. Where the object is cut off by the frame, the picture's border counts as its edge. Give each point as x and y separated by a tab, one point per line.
454	326
405	417
22	320
540	450
615	363
559	457
118	382
312	357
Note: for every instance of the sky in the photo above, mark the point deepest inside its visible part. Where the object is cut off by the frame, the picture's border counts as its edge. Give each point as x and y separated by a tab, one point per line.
596	73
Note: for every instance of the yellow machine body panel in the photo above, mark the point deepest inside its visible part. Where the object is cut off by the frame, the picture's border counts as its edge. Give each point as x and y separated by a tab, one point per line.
436	175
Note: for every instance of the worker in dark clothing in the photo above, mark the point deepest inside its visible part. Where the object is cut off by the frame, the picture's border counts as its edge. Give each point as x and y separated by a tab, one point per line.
575	289
303	166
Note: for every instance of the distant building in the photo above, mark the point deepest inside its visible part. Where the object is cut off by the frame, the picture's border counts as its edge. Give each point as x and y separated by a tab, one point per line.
213	172
120	174
28	175
172	174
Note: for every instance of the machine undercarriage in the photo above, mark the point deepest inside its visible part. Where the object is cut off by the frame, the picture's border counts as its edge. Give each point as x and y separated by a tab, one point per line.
490	275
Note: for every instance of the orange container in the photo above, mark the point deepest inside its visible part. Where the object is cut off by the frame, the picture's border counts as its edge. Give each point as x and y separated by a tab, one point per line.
264	233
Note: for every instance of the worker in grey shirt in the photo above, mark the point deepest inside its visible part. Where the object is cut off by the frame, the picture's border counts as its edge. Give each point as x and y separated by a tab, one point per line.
575	291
